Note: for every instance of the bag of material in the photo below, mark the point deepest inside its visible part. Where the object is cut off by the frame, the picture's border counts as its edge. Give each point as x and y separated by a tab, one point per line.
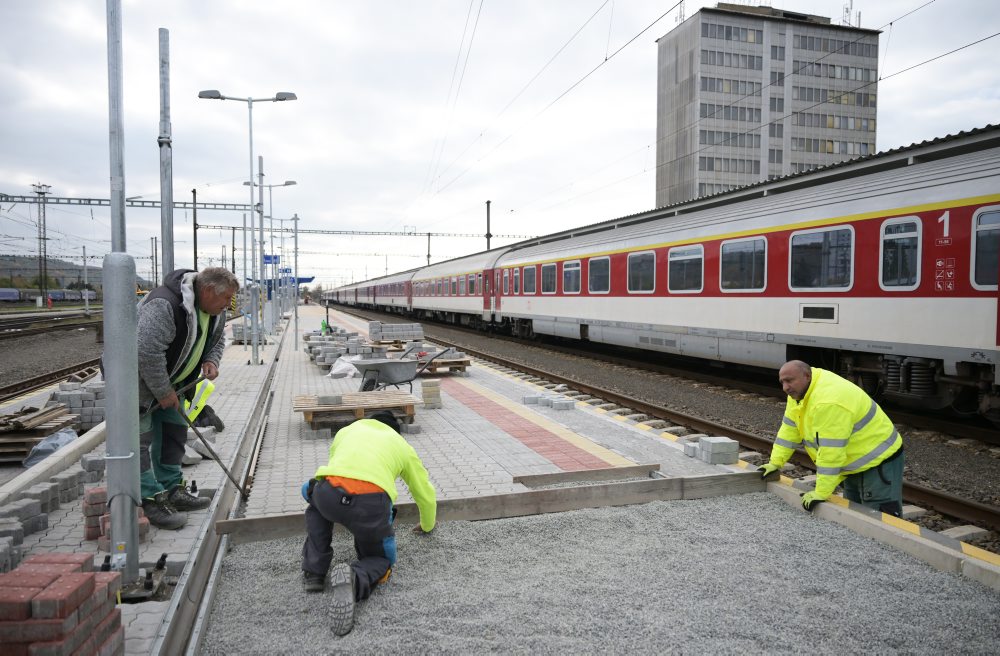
48	446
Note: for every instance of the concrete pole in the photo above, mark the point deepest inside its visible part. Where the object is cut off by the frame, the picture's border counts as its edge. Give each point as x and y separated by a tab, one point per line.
165	142
121	358
86	299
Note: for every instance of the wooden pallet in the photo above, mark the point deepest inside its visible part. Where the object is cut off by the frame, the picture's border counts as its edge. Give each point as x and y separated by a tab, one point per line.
456	364
29	418
16	445
356	405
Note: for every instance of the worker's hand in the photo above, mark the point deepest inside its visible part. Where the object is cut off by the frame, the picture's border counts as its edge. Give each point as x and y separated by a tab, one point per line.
420	531
768	469
170	401
209	370
810	500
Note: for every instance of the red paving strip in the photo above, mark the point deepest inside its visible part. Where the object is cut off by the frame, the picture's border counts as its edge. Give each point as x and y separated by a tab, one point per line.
543	442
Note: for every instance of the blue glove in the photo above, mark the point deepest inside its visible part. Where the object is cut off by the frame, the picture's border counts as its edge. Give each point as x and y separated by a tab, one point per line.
810	500
307	489
767	469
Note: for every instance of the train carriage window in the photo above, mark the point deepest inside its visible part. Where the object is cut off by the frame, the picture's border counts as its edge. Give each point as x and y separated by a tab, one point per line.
472	284
822	259
986	248
479	283
571	277
548	278
454	287
461	286
529	280
899	264
506	282
641	272
684	269
599	275
517	281
743	265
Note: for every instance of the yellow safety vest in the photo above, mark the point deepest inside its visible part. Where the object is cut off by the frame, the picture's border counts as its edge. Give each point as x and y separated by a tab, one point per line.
202	391
842	429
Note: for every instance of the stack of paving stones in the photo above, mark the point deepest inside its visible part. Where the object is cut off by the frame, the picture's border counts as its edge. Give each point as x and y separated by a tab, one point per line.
554	401
86	400
97	518
431	391
394	332
55	604
713	450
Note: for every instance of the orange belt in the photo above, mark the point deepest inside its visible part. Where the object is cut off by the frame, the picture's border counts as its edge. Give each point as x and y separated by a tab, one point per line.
353	485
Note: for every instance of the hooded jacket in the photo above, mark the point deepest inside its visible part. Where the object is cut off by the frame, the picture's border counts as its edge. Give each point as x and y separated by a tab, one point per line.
167	330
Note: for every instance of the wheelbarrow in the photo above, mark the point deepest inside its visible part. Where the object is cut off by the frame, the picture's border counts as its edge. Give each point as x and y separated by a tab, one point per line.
380	373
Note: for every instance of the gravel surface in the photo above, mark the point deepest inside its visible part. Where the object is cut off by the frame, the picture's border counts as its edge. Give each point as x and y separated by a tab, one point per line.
24	357
663	577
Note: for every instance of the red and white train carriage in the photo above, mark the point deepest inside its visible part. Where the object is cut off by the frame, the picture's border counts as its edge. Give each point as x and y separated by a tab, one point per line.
884	269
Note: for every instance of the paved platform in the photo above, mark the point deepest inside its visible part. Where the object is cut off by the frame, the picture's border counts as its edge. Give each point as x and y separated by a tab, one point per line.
481	438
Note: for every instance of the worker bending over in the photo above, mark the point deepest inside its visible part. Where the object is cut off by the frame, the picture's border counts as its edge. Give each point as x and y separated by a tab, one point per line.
846	434
357	489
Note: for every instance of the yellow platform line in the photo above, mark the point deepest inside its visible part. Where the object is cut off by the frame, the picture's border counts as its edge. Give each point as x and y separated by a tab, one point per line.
560	431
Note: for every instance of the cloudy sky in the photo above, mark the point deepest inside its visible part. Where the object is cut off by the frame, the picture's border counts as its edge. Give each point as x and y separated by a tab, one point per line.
410	115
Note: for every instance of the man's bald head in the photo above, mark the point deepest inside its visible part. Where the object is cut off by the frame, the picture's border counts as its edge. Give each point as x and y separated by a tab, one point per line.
795	376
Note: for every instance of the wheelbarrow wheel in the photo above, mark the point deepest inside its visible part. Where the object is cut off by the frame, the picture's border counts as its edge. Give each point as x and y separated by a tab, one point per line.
368	384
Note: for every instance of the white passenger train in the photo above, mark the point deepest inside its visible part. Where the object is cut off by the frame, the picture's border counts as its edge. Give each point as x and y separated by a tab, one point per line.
884	269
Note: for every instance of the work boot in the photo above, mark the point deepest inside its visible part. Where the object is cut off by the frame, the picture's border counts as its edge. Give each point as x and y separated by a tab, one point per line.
313	582
181	499
342	581
161	514
208	418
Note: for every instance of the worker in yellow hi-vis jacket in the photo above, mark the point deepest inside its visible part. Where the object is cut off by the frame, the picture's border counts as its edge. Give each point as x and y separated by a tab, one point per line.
846	434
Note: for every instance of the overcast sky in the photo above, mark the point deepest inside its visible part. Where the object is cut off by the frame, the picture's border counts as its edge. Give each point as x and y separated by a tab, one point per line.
410	114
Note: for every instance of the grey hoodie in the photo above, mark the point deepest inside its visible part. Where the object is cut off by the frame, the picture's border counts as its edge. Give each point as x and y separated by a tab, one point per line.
167	330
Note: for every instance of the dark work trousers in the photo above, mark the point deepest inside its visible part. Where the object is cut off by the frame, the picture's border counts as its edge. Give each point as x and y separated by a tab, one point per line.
369	519
880	487
162	434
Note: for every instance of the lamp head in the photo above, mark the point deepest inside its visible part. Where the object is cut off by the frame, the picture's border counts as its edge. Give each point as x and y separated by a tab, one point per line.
289	183
211	94
283	95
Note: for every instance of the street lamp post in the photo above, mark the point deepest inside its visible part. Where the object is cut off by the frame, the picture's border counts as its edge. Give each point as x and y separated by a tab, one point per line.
214	94
275	295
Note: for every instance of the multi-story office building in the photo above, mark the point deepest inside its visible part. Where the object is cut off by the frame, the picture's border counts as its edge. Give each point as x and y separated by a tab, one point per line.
745	94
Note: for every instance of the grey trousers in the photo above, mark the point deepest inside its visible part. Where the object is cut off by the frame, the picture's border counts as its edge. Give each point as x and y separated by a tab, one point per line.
369	519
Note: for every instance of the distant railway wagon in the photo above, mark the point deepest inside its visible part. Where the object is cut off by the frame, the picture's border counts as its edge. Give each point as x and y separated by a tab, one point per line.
8	294
884	269
57	295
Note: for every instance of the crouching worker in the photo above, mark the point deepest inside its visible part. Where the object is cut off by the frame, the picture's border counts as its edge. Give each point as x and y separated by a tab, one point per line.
357	489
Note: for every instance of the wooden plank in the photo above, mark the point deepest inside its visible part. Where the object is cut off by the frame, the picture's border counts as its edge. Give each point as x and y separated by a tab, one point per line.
533	502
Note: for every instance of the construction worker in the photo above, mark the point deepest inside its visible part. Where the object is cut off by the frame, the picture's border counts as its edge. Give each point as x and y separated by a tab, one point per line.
357	489
846	434
179	335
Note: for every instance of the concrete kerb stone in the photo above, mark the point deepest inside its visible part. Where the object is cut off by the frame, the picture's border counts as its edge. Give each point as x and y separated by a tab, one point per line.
57	462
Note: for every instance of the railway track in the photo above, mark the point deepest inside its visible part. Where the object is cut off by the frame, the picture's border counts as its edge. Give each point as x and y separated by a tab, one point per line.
80	372
12	327
945	503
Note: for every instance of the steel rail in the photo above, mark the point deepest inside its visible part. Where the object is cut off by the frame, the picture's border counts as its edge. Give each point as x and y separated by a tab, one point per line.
8	392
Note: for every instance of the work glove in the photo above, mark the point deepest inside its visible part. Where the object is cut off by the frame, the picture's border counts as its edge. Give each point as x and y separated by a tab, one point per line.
767	469
810	500
307	489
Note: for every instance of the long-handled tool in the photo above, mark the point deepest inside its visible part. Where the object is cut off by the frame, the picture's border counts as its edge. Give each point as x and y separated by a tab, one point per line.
215	457
179	392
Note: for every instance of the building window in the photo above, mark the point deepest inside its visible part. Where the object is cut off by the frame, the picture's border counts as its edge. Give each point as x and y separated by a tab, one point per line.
571	277
776	129
774	156
777	104
529	280
900	262
778	52
548	278
684	269
822	259
641	272
986	247
742	265
599	275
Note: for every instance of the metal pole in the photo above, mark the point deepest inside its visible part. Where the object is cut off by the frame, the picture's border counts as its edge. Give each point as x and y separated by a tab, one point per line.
295	345
260	209
428	249
244	279
255	296
274	267
86	288
194	226
233	250
165	142
152	260
488	235
121	357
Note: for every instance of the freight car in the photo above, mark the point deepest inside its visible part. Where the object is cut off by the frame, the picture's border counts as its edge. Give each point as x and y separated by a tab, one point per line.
884	269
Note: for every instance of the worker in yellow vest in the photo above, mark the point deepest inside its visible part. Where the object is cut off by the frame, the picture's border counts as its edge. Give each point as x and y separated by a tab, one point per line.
845	433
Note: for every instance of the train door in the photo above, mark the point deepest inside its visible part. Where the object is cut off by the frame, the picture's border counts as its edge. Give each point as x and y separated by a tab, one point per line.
409	295
497	294
486	289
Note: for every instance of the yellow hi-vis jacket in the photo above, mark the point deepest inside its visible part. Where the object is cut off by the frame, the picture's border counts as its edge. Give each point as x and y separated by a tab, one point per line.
199	399
841	428
368	450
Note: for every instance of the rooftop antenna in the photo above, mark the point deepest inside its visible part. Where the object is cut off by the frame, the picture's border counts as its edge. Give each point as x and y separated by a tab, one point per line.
680	11
845	18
